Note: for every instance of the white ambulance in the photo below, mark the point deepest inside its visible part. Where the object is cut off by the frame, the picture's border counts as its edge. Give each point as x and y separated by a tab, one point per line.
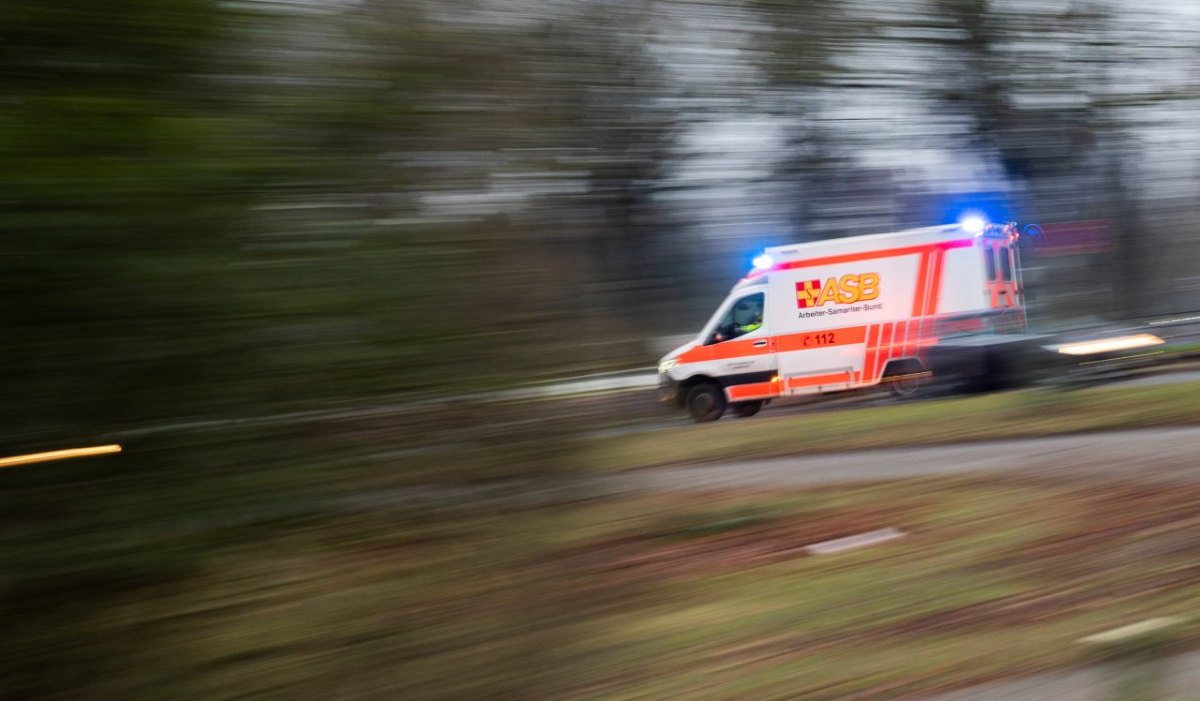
846	314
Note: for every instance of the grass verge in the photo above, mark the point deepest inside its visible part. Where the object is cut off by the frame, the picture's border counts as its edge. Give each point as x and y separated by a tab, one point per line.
203	569
672	596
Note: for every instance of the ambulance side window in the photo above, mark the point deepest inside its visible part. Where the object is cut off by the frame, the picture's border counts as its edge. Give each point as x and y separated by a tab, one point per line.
745	316
989	262
1005	264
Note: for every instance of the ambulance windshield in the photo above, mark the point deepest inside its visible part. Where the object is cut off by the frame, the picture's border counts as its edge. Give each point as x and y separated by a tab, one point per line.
745	316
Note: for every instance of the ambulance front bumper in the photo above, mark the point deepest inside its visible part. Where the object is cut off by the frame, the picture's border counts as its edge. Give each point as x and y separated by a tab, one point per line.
668	390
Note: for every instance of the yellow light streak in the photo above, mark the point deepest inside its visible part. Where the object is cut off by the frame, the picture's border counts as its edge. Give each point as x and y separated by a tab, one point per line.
59	455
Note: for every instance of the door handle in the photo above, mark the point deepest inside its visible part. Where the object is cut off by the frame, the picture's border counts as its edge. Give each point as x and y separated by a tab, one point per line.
760	344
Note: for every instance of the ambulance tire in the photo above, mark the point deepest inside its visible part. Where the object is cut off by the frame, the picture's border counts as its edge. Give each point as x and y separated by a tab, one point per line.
900	384
745	410
907	389
705	402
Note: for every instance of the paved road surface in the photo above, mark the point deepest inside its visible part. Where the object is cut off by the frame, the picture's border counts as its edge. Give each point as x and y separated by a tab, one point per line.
1163	453
1091	684
1171	378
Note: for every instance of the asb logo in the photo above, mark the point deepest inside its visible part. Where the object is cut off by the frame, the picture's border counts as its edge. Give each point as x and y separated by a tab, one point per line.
847	289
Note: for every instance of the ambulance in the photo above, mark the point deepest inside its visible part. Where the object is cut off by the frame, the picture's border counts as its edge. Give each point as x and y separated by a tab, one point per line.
848	314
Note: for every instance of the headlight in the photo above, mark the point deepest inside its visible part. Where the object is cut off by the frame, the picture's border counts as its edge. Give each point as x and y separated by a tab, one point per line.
1110	345
667	364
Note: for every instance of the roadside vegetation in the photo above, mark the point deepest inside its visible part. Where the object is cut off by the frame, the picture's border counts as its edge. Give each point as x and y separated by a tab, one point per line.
698	595
191	566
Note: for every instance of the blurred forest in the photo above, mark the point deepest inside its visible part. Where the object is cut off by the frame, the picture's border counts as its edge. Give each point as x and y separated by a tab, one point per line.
216	207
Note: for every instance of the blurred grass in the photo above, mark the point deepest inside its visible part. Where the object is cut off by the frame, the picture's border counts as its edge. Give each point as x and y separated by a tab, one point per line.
198	566
963	598
1022	414
603	599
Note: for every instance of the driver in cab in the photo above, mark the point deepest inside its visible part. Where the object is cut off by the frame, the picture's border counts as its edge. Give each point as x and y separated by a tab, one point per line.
745	317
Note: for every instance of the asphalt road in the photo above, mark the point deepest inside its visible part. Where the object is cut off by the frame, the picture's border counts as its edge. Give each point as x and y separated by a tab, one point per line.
1163	453
1182	679
1169	378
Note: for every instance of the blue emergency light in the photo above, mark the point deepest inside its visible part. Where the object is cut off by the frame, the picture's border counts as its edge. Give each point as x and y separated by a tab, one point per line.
972	223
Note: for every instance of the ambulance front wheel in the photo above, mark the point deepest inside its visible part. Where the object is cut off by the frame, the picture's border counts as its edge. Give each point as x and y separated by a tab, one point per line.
706	402
746	409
